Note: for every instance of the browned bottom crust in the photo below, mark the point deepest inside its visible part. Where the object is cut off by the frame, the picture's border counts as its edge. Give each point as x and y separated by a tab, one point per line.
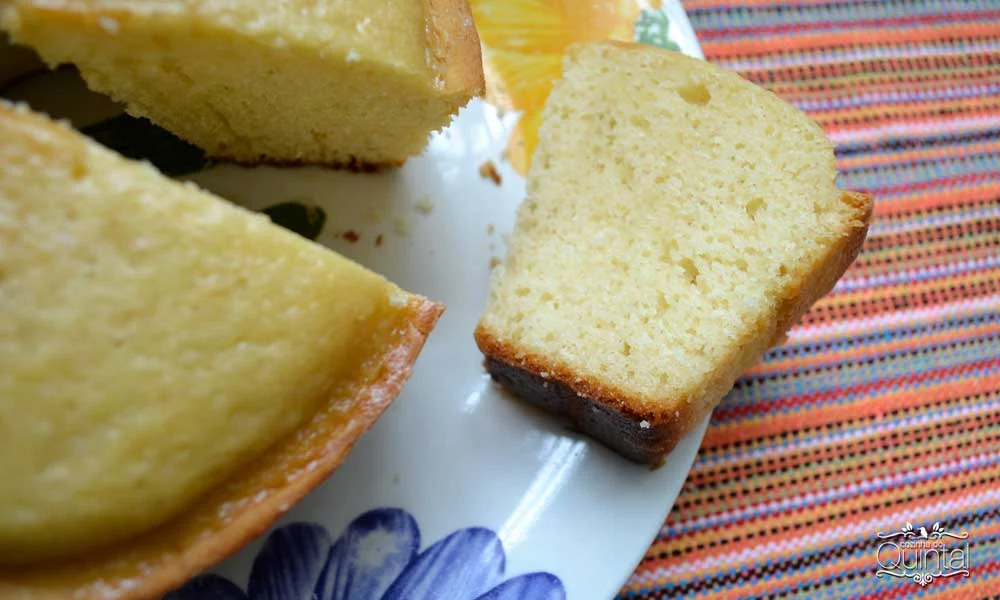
623	430
353	164
244	507
645	431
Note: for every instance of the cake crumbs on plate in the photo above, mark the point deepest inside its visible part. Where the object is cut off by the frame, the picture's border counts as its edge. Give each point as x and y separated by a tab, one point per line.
401	226
488	170
495	262
490	229
351	236
424	205
378	240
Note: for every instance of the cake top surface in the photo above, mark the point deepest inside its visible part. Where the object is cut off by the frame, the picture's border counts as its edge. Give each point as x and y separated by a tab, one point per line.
673	211
154	338
391	31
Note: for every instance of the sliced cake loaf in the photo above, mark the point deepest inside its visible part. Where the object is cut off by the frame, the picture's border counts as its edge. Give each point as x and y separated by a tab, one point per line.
176	371
678	221
351	82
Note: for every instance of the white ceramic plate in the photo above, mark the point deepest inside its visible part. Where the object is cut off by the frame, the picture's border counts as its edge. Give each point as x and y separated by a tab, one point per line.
495	488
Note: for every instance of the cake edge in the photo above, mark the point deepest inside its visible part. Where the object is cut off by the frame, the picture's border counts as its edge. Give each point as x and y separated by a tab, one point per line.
451	27
352	164
639	436
632	426
169	568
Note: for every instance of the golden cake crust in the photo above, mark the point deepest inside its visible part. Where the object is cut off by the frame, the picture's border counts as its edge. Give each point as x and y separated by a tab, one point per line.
641	429
451	27
247	504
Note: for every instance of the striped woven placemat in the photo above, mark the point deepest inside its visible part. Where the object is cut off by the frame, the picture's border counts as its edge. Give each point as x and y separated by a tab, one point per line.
880	415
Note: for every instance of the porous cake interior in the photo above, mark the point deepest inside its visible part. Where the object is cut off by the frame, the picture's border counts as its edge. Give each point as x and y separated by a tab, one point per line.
153	339
671	210
317	81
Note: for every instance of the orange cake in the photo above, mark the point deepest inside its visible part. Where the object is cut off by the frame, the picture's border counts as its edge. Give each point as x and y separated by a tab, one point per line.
300	81
678	221
177	371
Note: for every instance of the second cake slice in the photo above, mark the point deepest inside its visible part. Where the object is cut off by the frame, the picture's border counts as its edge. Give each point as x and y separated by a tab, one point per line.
176	372
678	221
358	83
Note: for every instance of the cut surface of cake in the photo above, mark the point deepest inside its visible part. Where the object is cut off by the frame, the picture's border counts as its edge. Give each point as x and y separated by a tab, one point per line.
336	82
678	221
177	371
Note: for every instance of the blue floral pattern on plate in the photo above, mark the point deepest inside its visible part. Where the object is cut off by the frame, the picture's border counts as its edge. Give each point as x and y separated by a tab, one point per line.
377	558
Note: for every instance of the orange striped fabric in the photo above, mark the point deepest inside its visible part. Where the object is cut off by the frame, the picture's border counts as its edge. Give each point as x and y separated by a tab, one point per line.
873	434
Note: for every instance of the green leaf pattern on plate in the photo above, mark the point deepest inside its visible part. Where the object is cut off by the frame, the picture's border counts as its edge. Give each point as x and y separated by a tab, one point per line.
139	139
653	28
304	220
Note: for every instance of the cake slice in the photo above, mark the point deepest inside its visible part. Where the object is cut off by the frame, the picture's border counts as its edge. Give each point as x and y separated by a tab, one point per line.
177	371
678	221
358	83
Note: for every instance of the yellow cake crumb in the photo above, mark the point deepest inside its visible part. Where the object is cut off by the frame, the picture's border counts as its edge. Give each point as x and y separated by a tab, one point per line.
299	81
678	219
154	339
